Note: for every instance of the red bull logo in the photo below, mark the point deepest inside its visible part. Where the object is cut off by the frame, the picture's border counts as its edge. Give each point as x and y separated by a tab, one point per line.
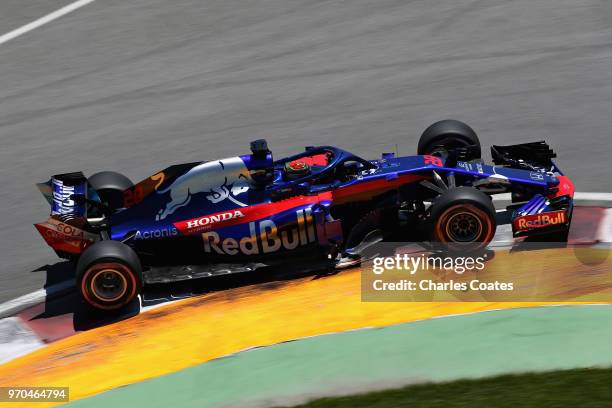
528	222
264	237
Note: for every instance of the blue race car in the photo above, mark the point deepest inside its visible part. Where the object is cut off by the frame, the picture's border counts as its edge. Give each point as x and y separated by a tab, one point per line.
322	205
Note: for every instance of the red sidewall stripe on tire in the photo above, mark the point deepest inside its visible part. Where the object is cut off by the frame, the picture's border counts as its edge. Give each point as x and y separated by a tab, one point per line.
481	214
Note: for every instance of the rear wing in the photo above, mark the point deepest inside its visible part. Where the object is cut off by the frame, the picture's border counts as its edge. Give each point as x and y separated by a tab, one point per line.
62	192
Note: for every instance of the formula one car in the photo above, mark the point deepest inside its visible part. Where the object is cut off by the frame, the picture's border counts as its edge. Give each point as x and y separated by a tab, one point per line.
239	214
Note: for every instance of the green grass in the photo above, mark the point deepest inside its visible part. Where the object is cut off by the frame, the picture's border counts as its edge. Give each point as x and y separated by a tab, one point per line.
583	388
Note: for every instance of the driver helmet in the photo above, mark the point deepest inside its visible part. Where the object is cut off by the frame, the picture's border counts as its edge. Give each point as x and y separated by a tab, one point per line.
297	169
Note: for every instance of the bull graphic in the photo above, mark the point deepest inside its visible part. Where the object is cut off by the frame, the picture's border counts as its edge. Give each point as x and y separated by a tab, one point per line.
221	179
228	191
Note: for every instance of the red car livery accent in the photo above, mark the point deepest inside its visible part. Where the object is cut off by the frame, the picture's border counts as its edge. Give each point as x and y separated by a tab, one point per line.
247	214
315	160
434	160
64	237
565	187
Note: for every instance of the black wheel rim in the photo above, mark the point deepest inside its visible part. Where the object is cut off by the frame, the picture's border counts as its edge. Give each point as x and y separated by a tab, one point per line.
108	285
463	227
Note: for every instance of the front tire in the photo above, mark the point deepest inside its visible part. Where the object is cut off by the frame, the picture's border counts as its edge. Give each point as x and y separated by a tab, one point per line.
447	135
462	219
109	275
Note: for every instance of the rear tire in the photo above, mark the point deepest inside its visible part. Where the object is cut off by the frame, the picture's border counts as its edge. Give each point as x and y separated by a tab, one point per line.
463	219
110	186
448	134
109	275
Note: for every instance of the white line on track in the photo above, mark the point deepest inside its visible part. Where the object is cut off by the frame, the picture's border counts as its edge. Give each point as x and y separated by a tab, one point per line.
16	339
605	227
43	20
16	305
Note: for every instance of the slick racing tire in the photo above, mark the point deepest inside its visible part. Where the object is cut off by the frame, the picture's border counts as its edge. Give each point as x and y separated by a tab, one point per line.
449	134
110	187
462	219
108	275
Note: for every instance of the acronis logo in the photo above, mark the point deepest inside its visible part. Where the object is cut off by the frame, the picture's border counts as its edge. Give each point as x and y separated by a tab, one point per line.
156	233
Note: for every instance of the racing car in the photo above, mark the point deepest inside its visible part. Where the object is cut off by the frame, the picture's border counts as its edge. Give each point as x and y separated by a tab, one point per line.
242	213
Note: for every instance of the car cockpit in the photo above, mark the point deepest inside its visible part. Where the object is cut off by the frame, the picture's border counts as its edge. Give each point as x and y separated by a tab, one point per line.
316	169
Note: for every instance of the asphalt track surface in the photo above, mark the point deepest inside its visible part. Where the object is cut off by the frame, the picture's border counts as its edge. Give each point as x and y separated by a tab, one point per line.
137	85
